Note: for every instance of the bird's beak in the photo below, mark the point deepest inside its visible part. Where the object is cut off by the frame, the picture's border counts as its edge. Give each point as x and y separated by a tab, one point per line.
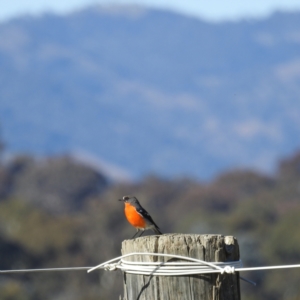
121	200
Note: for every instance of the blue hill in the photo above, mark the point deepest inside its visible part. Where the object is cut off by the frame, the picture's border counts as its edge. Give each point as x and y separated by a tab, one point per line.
152	91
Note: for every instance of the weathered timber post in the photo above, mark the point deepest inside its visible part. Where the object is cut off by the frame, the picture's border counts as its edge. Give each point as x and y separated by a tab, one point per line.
211	248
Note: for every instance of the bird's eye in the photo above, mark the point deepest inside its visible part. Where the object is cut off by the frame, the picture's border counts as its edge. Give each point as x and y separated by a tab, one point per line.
125	198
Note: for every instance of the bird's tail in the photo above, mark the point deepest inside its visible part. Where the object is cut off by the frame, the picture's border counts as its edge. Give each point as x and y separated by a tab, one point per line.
156	230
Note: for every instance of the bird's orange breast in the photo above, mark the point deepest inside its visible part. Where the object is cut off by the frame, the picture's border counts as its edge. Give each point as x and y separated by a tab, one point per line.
133	217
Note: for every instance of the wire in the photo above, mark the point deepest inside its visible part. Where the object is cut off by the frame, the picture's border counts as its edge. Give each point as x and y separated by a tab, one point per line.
191	266
44	270
159	268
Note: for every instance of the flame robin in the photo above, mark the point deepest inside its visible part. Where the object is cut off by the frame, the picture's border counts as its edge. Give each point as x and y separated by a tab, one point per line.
137	216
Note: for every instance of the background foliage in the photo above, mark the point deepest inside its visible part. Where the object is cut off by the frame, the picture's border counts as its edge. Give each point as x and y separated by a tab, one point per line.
57	212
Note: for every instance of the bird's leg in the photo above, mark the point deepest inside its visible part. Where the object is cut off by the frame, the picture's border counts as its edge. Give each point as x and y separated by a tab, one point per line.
136	233
142	233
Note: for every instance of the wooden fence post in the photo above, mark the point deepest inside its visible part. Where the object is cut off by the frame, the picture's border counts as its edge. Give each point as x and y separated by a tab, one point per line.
211	248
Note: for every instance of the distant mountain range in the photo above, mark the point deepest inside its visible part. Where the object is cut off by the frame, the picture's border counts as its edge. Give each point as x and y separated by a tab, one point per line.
152	91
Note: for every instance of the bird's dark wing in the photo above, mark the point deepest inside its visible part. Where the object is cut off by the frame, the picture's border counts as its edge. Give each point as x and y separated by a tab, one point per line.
146	216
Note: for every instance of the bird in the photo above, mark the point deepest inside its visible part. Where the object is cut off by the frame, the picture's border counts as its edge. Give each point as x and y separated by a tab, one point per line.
137	216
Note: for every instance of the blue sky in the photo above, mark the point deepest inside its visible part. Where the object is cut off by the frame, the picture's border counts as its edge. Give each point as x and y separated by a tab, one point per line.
211	10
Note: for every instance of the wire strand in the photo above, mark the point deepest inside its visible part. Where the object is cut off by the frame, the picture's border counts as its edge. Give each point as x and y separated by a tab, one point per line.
45	270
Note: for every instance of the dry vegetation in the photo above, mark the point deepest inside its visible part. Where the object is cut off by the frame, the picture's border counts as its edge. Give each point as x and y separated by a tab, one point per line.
57	213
